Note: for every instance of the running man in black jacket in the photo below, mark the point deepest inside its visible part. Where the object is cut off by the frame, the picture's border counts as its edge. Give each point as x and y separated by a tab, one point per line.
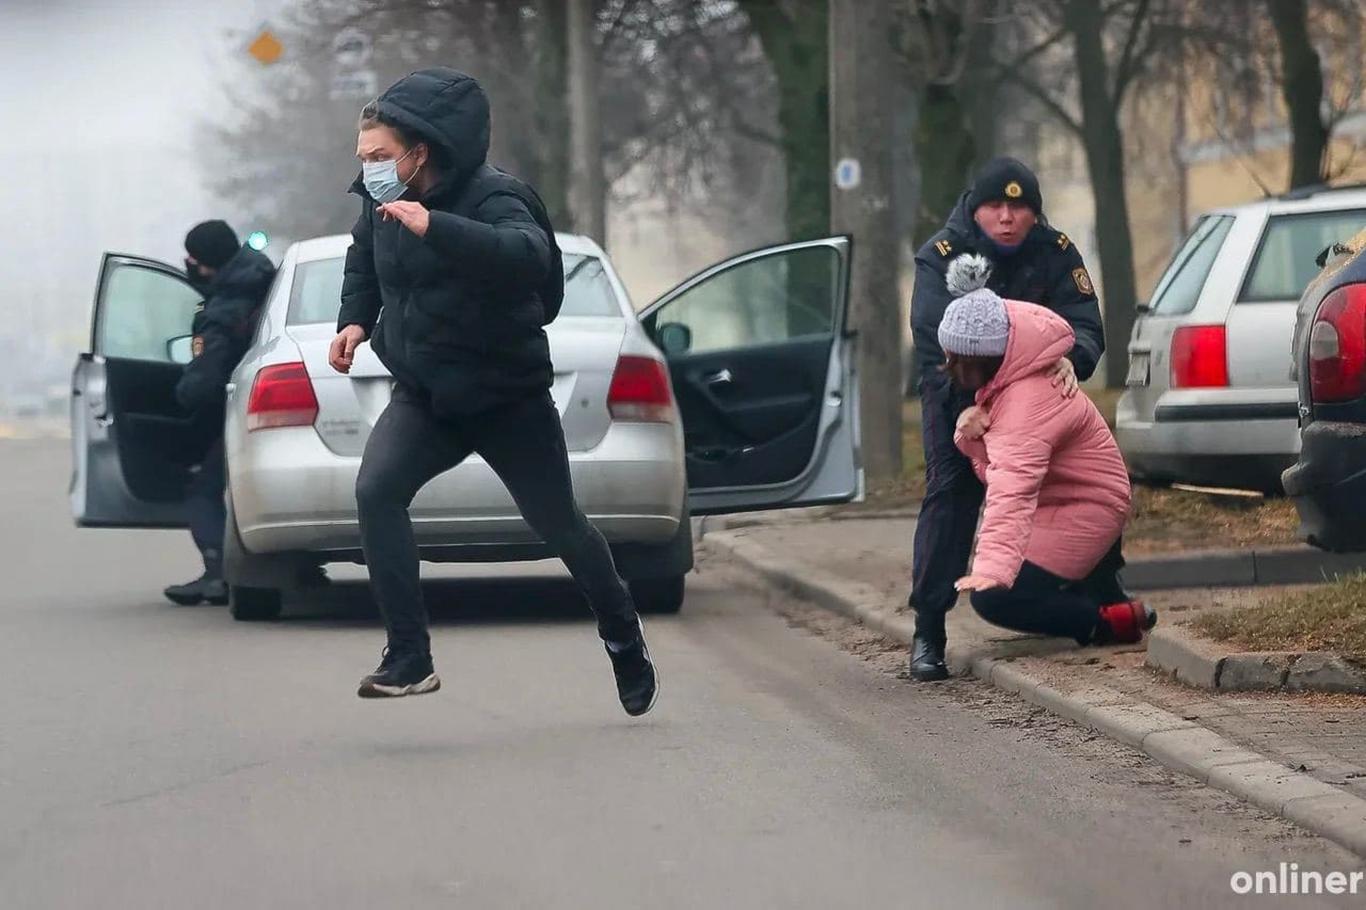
452	272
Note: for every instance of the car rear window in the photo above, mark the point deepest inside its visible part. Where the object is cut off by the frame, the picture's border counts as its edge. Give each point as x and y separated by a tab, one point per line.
1179	289
1286	260
316	294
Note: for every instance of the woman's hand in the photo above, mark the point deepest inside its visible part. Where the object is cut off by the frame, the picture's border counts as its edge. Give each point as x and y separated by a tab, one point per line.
413	215
343	350
976	583
1065	376
974	422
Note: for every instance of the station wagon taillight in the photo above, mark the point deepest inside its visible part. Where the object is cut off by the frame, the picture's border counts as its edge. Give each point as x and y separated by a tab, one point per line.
282	396
1200	357
1337	346
640	391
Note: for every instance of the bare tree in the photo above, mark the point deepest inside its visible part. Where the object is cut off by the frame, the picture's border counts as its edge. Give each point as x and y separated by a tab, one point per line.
1112	41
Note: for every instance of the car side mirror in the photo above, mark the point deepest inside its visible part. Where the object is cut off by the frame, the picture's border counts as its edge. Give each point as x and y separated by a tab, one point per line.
180	350
675	338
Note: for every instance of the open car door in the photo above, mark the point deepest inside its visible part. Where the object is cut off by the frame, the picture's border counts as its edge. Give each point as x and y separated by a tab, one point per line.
763	371
132	445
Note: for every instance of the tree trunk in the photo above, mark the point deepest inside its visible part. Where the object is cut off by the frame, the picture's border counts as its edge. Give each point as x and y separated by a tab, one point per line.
946	150
862	122
1302	88
552	102
1104	145
796	49
588	181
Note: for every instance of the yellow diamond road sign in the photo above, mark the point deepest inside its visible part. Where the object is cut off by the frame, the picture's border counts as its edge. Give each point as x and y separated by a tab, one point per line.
265	47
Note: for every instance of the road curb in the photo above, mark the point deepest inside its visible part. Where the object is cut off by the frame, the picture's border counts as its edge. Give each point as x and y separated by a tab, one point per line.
1207	664
1177	743
1240	568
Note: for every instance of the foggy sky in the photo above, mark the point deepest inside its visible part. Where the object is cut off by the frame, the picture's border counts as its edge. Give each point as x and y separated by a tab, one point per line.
101	99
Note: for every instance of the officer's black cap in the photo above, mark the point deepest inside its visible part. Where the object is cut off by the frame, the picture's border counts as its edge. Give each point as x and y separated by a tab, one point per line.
1008	179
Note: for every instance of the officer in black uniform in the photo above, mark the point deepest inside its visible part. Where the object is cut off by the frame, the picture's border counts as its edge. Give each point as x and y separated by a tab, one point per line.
234	280
1000	217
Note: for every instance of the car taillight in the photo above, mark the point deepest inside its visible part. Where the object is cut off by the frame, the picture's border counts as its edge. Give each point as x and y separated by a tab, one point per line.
1337	346
282	396
640	391
1200	357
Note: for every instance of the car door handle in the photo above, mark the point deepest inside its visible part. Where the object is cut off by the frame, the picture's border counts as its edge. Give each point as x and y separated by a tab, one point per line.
719	378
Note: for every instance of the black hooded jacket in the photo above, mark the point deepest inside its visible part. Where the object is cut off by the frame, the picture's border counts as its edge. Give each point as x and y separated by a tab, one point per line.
224	323
457	314
1047	269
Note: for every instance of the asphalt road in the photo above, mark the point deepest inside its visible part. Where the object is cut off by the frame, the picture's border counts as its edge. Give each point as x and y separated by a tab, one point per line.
153	756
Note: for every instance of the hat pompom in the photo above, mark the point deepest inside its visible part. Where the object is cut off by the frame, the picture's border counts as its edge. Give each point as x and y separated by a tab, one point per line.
967	273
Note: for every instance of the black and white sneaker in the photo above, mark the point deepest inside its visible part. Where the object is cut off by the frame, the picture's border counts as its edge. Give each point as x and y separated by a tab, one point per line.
637	680
400	673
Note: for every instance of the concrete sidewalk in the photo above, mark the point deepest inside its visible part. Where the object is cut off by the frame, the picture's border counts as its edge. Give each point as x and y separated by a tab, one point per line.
1300	756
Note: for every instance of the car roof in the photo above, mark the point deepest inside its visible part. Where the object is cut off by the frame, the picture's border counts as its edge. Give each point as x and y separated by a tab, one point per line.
334	246
1309	199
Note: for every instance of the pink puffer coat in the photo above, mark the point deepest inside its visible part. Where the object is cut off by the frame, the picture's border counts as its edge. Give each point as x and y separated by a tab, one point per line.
1057	490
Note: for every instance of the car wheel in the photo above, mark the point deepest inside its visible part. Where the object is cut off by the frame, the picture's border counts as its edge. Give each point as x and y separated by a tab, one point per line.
659	595
254	604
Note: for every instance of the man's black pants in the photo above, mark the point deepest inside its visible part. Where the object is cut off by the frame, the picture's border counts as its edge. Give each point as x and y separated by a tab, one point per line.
524	444
948	515
1042	603
205	510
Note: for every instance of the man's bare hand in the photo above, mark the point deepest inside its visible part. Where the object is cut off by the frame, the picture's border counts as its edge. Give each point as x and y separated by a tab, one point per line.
1064	376
413	215
343	351
974	422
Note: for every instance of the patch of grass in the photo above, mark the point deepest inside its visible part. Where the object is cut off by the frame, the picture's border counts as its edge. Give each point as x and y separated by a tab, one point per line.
1166	520
1328	618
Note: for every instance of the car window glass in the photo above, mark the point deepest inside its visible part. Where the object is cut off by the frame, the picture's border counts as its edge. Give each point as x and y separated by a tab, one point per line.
780	297
1180	287
1287	260
316	293
141	311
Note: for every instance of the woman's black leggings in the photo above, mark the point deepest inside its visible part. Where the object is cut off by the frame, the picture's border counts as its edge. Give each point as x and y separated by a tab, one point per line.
1042	603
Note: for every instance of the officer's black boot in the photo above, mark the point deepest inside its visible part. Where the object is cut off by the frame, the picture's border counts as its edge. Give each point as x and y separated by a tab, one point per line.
927	649
209	587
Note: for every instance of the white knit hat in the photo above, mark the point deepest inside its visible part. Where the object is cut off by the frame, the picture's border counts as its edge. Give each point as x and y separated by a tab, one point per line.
975	324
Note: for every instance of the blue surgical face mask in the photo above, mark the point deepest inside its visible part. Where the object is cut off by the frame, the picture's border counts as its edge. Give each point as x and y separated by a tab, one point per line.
382	181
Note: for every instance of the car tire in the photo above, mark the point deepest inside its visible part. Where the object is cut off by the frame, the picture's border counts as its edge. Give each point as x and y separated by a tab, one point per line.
254	604
659	595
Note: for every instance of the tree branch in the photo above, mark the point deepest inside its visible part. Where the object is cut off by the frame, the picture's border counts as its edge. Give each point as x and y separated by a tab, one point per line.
1128	59
1044	97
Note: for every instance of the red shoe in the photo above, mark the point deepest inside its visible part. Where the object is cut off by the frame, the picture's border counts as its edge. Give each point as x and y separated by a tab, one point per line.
1124	623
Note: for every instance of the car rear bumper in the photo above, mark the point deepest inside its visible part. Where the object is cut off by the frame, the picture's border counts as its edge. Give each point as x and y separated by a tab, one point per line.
290	493
1208	437
1328	484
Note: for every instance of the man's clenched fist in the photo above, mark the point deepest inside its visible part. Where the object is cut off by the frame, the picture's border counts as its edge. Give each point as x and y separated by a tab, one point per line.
343	351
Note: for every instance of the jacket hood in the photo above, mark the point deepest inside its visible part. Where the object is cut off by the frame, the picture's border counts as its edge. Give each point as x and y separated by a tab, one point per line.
1038	339
248	273
450	111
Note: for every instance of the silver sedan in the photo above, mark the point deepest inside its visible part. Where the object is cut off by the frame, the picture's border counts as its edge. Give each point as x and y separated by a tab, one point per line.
735	391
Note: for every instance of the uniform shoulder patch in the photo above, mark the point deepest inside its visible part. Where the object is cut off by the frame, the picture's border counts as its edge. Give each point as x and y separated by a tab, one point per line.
943	247
1063	242
1083	281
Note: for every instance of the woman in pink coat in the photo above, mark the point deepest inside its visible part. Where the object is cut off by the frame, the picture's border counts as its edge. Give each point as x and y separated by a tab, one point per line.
1048	548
